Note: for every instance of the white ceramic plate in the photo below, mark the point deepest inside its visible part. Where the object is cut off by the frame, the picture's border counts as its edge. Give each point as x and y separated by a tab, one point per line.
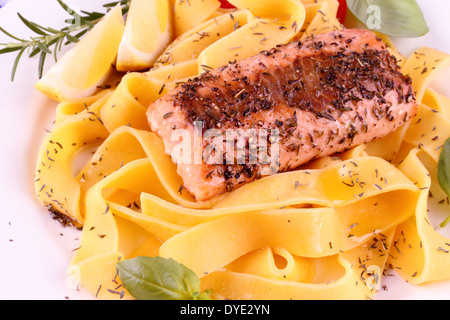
35	249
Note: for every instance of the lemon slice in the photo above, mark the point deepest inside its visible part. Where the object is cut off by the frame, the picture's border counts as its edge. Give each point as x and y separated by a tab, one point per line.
85	66
148	31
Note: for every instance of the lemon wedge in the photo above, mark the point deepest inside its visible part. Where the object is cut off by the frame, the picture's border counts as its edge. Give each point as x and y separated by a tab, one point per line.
148	31
84	67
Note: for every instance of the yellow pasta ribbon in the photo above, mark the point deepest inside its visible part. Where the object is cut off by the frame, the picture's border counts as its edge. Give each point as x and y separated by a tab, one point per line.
307	232
422	65
278	22
420	253
321	18
128	103
246	286
56	183
188	14
192	43
324	231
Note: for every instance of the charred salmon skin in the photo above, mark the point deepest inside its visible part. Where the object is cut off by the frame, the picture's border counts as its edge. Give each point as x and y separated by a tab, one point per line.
314	98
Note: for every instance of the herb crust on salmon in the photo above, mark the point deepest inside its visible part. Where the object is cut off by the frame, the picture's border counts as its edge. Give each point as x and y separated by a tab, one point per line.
322	95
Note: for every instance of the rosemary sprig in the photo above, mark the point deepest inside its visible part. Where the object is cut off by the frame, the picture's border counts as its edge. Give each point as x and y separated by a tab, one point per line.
48	40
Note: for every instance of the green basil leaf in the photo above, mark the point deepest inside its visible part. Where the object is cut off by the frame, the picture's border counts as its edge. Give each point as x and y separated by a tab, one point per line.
444	167
444	173
157	278
398	18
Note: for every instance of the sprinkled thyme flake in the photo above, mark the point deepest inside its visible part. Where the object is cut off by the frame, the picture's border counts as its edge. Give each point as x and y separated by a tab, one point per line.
377	186
116	274
294	25
113	291
239	93
395	246
353	225
162	88
98	291
442	249
206	67
100	120
167	115
352	184
76	249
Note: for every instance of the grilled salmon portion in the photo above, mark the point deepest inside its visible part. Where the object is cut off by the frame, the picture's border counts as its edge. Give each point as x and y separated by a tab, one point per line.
313	98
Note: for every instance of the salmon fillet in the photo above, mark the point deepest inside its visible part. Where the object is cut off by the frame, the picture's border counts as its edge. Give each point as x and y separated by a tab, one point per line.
317	97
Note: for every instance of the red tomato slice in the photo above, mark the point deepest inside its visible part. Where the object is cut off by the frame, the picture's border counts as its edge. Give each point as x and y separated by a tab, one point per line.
342	11
225	4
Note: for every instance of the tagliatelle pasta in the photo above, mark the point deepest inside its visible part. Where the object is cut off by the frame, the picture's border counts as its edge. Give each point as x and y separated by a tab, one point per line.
325	231
187	14
270	23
